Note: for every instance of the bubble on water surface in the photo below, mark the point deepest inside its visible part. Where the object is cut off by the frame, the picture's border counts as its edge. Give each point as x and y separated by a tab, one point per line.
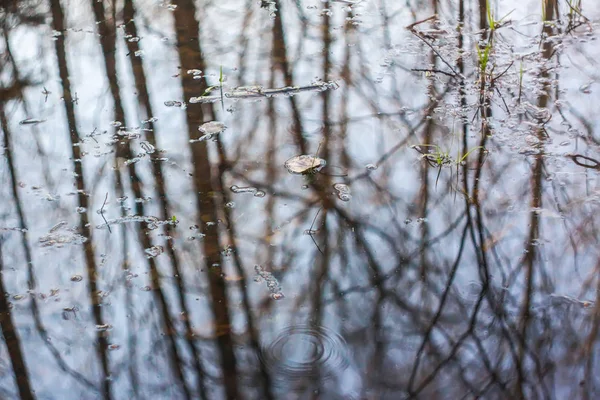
306	351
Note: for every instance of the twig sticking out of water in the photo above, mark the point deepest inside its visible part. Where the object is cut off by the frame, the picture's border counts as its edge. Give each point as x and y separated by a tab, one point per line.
310	231
102	213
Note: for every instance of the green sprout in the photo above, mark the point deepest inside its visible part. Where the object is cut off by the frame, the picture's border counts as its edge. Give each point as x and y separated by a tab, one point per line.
438	158
220	86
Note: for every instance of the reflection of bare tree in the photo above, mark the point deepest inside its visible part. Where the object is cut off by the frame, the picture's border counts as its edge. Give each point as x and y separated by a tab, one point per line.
190	57
427	280
531	252
108	38
82	195
145	107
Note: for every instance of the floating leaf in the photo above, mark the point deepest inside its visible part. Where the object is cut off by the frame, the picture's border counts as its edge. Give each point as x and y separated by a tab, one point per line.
304	164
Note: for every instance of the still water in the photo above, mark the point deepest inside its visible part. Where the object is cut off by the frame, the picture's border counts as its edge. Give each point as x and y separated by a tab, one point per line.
299	199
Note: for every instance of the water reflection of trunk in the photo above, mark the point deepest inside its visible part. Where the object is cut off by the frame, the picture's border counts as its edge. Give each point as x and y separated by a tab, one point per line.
460	65
146	111
279	54
423	201
323	187
531	252
12	340
190	57
108	44
84	225
31	278
7	328
241	272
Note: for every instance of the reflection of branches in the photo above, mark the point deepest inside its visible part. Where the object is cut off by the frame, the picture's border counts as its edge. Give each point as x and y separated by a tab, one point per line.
31	280
84	226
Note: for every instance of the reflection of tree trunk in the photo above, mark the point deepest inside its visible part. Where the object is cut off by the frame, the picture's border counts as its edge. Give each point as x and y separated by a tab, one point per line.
108	44
11	338
240	270
84	225
424	190
323	187
280	57
31	280
460	64
190	57
536	185
139	75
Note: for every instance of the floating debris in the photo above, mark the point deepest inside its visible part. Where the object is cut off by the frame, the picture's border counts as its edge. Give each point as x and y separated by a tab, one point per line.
59	235
210	130
213	127
154	251
246	92
8	228
172	103
132	161
204	99
343	191
272	282
31	121
256	192
152	222
147	147
304	164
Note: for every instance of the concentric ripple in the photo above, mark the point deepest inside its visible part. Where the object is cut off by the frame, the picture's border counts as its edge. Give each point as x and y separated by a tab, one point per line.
306	351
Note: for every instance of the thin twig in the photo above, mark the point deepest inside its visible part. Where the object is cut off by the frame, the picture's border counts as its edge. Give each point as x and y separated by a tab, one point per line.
102	213
310	230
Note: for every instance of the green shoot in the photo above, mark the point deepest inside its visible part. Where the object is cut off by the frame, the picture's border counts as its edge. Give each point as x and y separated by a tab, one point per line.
220	86
438	158
467	154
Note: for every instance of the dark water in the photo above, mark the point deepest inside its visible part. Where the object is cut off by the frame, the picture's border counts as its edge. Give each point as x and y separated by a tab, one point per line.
437	238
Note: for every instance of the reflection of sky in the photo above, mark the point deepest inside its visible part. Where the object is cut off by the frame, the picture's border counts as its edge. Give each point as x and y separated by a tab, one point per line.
380	56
